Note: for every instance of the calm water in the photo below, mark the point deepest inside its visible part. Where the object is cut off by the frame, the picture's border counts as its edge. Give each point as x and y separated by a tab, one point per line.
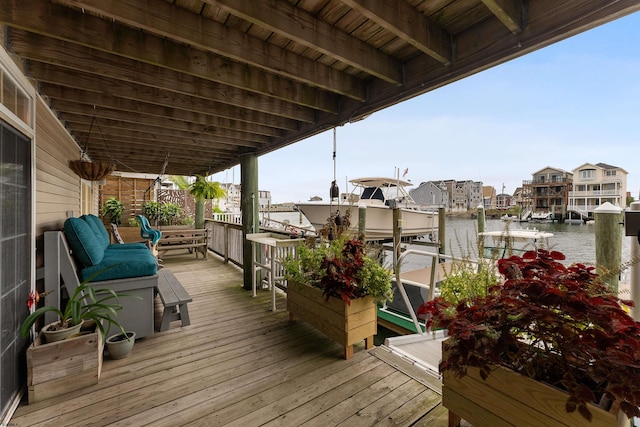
577	242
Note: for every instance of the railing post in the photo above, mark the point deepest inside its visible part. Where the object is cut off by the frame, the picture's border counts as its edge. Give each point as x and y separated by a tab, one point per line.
442	234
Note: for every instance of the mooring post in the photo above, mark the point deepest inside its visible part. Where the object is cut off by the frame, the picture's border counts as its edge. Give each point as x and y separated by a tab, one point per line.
362	220
634	277
442	231
480	230
608	224
397	233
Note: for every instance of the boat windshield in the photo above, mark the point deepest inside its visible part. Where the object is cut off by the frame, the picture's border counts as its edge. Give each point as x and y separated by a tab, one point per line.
372	193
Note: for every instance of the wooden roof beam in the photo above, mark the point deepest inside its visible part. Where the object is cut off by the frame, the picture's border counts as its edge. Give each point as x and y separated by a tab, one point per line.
296	24
54	51
137	117
252	121
65	77
124	140
400	18
509	12
177	24
222	138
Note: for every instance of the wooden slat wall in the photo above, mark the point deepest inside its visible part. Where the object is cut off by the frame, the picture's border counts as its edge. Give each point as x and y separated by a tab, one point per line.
132	192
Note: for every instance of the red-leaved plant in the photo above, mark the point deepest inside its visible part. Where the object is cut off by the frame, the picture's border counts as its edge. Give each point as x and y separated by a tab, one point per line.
559	325
337	263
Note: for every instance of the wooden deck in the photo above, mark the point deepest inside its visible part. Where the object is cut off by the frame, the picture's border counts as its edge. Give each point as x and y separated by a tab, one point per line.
239	363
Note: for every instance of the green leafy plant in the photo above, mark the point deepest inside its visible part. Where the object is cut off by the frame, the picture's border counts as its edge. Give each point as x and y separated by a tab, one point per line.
151	210
468	280
169	213
113	209
560	325
86	303
186	220
340	268
202	190
133	222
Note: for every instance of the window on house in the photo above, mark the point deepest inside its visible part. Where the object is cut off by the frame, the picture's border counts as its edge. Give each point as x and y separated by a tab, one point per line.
587	174
14	98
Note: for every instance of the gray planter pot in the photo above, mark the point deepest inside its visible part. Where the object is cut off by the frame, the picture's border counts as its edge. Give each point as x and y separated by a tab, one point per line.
119	346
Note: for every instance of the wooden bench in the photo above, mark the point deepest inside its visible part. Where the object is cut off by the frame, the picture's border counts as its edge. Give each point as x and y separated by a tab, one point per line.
191	239
174	299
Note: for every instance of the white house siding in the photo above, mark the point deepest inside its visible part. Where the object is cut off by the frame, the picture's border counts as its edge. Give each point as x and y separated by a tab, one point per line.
57	187
605	184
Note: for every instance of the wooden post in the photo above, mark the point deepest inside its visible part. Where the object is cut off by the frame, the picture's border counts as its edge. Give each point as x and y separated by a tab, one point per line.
480	218
442	235
608	220
397	233
480	230
634	284
249	206
362	221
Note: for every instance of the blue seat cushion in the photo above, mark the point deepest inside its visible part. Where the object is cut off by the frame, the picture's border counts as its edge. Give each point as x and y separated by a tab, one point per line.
121	246
98	228
82	240
120	264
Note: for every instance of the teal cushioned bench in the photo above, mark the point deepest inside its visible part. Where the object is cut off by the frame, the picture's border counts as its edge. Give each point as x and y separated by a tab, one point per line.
89	242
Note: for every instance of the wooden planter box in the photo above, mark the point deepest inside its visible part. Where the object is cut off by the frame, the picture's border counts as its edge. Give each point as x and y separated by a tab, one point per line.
508	398
344	324
63	366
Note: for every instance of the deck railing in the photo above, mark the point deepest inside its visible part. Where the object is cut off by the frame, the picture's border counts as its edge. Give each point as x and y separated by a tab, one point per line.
226	240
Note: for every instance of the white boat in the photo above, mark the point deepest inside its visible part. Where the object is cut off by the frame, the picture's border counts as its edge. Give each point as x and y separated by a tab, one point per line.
378	196
513	241
542	216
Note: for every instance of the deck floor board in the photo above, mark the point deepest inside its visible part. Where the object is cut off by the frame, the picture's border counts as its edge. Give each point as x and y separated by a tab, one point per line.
241	364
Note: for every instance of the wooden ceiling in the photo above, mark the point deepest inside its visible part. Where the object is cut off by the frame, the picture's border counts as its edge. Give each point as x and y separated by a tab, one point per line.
188	86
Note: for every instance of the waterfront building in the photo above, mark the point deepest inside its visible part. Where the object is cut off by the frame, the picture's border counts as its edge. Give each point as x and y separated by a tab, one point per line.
521	198
463	195
503	200
549	190
595	184
488	197
431	194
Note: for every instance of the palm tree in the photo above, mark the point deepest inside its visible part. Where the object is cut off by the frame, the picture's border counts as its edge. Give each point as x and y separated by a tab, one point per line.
180	181
203	190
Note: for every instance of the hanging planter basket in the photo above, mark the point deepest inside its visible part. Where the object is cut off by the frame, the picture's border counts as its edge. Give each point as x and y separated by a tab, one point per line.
91	171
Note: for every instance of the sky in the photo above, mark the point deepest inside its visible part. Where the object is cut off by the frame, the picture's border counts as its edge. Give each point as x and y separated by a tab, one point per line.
574	102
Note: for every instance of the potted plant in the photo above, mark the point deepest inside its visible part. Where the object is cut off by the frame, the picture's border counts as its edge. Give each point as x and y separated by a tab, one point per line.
84	304
334	286
557	326
57	367
113	209
120	345
202	190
